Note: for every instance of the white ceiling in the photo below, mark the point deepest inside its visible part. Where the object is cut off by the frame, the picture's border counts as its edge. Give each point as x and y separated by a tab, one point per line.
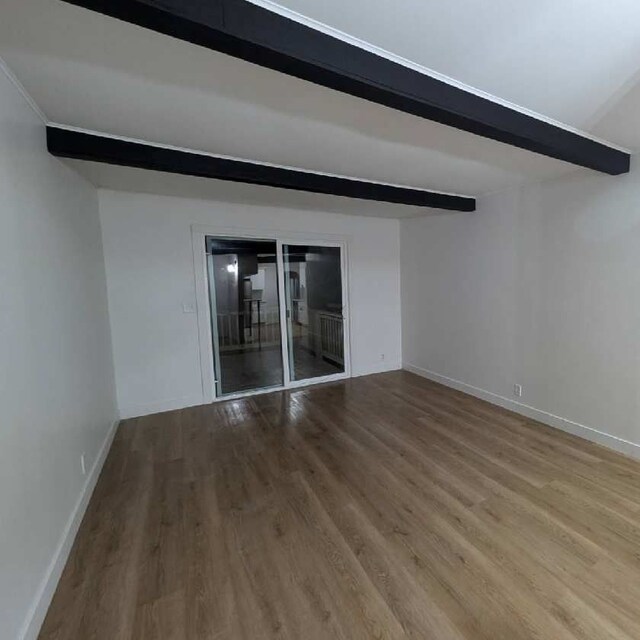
572	60
564	59
621	122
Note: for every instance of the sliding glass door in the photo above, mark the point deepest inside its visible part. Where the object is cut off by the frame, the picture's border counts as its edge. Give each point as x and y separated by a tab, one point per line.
277	313
245	314
314	311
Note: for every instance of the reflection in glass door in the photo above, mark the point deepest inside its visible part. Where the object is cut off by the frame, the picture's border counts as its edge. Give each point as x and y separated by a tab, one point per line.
245	314
314	311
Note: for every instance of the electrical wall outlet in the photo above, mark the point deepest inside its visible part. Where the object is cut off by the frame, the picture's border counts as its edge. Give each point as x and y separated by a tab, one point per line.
83	465
517	390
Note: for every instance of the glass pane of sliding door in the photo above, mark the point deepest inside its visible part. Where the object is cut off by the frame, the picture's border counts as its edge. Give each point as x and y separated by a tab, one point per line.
245	314
315	327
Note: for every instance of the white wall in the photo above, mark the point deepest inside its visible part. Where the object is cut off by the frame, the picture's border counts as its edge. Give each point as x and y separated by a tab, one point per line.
540	287
57	393
148	254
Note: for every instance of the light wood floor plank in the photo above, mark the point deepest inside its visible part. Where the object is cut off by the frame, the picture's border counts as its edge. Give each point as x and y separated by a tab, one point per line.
382	507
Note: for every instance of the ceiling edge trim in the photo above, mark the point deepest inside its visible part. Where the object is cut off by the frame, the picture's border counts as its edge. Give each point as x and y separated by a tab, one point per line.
4	67
427	71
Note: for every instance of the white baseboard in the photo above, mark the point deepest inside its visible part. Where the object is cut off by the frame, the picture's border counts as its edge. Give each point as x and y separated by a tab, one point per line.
383	367
173	404
38	611
589	433
147	409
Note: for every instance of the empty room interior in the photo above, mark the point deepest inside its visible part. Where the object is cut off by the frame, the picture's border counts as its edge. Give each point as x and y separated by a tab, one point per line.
319	320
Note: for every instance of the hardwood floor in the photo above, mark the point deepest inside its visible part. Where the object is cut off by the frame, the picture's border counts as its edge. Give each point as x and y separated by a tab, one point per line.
381	507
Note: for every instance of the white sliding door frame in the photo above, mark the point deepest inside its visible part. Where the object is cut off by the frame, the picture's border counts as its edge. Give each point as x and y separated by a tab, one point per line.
310	241
203	304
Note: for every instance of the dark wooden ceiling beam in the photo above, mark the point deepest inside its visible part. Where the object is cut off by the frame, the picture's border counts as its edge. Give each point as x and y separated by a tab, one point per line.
244	30
80	145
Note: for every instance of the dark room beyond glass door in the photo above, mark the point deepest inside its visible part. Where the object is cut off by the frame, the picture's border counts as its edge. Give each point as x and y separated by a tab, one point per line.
314	311
245	314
